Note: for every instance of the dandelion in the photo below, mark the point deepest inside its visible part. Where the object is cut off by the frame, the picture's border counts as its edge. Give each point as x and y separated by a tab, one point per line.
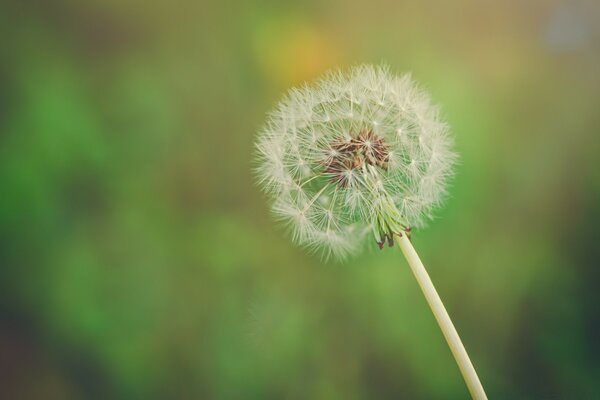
355	153
360	157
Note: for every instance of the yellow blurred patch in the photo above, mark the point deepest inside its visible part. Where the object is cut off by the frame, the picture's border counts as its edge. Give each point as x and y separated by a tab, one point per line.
290	50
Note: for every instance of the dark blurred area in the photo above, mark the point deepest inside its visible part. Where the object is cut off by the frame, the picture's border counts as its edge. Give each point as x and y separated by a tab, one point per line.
138	260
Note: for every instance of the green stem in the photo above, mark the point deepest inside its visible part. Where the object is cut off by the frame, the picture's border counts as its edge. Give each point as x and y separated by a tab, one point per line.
441	315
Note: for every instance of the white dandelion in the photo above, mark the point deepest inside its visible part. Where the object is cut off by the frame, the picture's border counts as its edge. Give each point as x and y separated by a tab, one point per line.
354	153
361	154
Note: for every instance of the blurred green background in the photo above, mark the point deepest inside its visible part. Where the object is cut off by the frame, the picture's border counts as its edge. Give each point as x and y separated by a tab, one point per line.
139	261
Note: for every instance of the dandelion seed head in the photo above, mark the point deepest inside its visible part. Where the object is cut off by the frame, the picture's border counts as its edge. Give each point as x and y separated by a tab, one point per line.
356	152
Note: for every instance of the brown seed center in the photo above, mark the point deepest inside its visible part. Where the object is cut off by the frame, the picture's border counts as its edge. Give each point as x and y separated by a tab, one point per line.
345	155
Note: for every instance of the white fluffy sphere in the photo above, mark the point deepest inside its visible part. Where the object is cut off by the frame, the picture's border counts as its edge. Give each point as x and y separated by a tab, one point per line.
356	152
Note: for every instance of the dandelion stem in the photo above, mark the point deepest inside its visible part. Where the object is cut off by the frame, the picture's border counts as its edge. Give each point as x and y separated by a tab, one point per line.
441	315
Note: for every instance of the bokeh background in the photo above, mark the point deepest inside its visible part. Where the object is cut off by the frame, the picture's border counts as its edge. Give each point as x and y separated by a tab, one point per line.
139	261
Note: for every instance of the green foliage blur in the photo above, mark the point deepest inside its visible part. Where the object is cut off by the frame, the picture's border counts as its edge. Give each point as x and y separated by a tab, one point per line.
139	261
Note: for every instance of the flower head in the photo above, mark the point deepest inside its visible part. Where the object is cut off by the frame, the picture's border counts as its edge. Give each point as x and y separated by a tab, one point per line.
357	152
